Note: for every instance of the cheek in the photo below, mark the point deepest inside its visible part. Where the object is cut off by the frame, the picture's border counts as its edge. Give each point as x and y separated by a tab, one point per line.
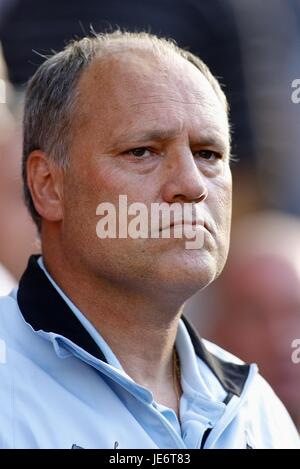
220	200
103	182
224	185
86	186
108	180
219	206
105	177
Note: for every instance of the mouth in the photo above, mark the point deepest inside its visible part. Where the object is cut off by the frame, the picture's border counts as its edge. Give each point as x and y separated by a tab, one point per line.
196	224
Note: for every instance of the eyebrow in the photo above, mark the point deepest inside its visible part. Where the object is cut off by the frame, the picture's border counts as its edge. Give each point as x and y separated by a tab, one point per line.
209	139
150	135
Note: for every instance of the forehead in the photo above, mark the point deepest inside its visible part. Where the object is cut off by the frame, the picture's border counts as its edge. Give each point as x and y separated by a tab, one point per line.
130	92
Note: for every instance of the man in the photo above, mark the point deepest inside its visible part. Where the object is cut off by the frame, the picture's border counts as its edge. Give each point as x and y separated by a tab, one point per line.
96	355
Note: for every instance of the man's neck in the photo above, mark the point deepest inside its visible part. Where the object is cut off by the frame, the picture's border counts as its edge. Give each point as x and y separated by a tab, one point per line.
139	328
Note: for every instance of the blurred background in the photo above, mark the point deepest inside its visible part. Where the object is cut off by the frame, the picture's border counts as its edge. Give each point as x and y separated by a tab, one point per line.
253	47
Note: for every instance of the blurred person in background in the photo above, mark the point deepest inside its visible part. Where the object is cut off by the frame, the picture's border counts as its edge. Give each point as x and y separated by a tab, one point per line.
253	309
17	232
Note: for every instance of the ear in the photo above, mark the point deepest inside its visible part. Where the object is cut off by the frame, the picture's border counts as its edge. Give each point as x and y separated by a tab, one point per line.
45	181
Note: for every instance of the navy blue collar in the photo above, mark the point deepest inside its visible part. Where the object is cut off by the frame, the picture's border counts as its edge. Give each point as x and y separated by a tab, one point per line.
44	309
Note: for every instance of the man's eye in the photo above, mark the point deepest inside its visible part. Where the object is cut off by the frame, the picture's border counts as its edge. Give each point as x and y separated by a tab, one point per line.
139	152
207	154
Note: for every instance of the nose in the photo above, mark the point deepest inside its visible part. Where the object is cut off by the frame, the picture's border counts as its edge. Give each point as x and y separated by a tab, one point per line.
184	181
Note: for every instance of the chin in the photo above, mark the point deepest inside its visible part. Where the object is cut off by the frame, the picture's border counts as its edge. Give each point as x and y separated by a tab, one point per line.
191	271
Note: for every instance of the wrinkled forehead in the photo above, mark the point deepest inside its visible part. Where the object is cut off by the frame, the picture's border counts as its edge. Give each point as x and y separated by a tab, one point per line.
132	86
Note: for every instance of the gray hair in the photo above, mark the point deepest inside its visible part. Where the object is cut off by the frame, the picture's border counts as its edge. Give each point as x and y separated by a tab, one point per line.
51	93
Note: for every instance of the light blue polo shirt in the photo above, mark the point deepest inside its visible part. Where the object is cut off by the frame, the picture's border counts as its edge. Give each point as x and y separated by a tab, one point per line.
201	403
59	390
